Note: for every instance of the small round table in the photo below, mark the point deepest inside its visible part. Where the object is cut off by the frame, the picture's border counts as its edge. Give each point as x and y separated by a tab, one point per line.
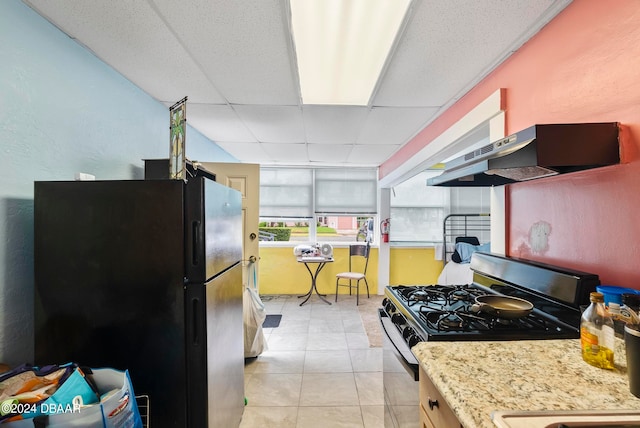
320	262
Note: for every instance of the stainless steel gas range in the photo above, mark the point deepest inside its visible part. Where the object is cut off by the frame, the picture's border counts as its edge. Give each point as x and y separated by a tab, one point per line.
415	313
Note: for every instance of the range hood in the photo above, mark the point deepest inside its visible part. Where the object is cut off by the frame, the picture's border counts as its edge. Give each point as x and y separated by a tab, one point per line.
536	152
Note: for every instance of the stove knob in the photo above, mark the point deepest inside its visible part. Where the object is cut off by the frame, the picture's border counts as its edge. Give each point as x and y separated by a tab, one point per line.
385	301
413	340
398	319
390	308
408	332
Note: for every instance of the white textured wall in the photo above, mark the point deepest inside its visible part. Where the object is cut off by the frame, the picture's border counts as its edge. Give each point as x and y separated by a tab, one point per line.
62	111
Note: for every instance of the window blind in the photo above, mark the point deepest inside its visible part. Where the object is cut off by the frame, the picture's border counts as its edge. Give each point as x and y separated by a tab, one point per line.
346	191
286	192
305	192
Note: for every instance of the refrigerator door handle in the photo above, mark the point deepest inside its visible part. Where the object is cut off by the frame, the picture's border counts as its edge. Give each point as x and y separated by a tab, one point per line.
195	230
195	306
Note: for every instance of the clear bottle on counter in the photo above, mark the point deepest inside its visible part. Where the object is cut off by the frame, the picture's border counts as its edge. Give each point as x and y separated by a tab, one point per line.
616	317
597	333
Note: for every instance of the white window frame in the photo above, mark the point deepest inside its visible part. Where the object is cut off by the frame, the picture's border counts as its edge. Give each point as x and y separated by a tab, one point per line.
312	238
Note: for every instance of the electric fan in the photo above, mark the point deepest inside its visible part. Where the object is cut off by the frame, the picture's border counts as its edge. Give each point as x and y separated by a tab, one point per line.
326	250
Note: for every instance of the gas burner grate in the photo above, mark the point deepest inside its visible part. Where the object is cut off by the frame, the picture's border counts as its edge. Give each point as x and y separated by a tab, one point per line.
463	319
444	311
438	296
453	320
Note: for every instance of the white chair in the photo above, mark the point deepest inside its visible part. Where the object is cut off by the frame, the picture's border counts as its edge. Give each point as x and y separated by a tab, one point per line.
356	251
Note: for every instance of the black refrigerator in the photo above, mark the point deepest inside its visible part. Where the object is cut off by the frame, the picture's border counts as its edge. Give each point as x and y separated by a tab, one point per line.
145	275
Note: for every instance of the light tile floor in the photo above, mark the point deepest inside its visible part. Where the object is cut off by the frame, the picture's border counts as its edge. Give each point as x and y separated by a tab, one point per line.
318	371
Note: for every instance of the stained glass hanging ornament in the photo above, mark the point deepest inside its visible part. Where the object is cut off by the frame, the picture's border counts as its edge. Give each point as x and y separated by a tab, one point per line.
178	127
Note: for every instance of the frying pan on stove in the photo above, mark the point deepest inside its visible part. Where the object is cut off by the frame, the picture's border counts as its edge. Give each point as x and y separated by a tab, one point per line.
504	307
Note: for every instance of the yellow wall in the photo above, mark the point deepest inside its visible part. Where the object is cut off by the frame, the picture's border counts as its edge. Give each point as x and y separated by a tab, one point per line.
413	266
280	273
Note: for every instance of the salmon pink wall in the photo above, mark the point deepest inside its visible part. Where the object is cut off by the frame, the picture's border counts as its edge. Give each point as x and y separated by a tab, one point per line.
584	66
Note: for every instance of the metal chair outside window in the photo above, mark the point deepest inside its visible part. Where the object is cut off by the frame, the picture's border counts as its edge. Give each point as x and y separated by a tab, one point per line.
357	251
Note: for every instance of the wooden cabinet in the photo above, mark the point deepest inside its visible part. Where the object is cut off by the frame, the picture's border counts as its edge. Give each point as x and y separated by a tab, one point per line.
434	410
424	419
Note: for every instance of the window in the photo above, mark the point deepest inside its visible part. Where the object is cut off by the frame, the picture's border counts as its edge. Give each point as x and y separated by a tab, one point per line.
319	204
418	210
286	193
346	228
346	191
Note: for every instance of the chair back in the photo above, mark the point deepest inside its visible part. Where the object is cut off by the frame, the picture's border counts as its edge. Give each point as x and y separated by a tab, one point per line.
359	250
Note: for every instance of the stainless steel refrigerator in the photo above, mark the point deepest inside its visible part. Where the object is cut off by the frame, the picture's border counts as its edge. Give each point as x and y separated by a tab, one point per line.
145	275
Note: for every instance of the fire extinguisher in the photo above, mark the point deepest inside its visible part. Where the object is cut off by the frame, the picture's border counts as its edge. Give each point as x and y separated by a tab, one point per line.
384	229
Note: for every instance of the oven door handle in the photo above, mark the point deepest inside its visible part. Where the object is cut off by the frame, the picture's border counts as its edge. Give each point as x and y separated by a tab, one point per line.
400	348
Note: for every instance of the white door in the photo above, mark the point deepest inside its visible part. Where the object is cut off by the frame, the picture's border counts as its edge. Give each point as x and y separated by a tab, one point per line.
244	177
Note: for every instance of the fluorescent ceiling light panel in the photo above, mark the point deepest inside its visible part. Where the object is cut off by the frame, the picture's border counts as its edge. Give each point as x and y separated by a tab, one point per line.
342	46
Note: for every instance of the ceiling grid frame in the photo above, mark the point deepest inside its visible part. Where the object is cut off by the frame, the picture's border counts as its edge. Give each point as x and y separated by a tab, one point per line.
231	50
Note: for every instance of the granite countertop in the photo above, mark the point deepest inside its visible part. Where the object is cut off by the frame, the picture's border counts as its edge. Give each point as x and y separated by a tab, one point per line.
478	378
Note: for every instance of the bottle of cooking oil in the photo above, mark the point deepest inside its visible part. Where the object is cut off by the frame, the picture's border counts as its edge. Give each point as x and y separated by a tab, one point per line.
596	333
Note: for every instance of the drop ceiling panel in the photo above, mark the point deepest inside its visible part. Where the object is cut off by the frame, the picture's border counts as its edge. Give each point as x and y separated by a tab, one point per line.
452	43
248	152
333	124
135	41
373	154
295	154
273	124
242	45
219	123
394	125
329	153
